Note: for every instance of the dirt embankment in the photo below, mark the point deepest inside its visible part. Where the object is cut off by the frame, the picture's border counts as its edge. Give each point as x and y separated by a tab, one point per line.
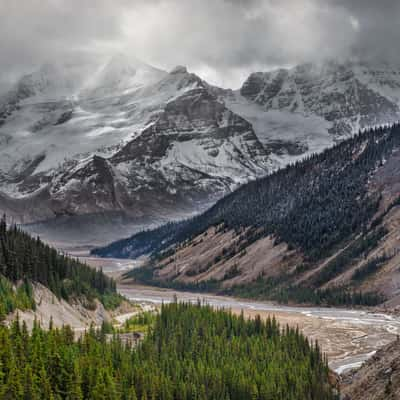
74	314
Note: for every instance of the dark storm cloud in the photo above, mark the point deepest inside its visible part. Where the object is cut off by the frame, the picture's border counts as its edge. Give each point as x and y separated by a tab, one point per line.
221	39
37	31
378	35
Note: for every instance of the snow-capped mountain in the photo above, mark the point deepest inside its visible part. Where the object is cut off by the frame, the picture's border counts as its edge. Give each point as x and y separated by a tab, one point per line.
119	76
194	148
127	138
123	136
349	96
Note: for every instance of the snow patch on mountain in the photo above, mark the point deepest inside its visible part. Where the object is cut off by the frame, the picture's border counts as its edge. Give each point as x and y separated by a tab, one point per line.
279	130
350	96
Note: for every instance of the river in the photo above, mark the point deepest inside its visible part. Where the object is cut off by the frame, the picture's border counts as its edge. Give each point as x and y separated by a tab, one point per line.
347	336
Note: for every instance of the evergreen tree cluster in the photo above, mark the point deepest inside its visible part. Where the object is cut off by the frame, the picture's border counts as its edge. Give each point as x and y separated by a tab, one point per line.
11	298
24	259
312	205
318	205
272	289
369	268
191	352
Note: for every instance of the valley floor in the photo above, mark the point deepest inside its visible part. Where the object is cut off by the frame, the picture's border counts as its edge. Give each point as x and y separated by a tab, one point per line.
349	337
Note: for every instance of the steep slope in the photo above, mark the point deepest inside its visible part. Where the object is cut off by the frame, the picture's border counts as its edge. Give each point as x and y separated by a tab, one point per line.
322	230
32	272
350	95
119	76
377	379
48	308
194	148
305	109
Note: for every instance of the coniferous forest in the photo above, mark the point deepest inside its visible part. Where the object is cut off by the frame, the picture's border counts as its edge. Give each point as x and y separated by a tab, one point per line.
312	204
316	206
190	352
24	260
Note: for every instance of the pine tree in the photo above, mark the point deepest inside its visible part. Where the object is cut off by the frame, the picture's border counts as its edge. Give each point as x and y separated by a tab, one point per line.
131	395
73	389
191	352
13	389
31	390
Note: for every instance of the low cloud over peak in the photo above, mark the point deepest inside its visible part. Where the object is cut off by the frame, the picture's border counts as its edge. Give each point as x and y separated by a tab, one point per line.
223	41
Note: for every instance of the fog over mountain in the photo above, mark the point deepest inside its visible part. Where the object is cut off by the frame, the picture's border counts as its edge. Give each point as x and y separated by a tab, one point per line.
222	41
236	154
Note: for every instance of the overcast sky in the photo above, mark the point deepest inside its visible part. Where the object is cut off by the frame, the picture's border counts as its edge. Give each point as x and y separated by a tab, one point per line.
221	40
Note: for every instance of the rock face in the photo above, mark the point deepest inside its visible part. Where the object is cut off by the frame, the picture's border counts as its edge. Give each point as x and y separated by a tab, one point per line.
350	96
377	379
196	148
123	136
130	139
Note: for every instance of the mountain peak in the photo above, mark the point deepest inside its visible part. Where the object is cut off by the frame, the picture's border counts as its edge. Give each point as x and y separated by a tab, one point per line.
121	62
122	74
179	69
50	80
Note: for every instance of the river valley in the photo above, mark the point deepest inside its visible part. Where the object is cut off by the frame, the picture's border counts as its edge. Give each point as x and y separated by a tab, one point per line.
347	336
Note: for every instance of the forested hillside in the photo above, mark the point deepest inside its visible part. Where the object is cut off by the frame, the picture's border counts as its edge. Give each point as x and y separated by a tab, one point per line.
24	260
314	208
191	352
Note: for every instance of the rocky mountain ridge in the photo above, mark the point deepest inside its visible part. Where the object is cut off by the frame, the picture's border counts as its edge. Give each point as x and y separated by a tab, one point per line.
350	95
135	140
159	148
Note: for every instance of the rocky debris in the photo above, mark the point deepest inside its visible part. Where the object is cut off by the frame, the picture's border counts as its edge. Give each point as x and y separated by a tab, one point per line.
76	313
60	312
377	379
